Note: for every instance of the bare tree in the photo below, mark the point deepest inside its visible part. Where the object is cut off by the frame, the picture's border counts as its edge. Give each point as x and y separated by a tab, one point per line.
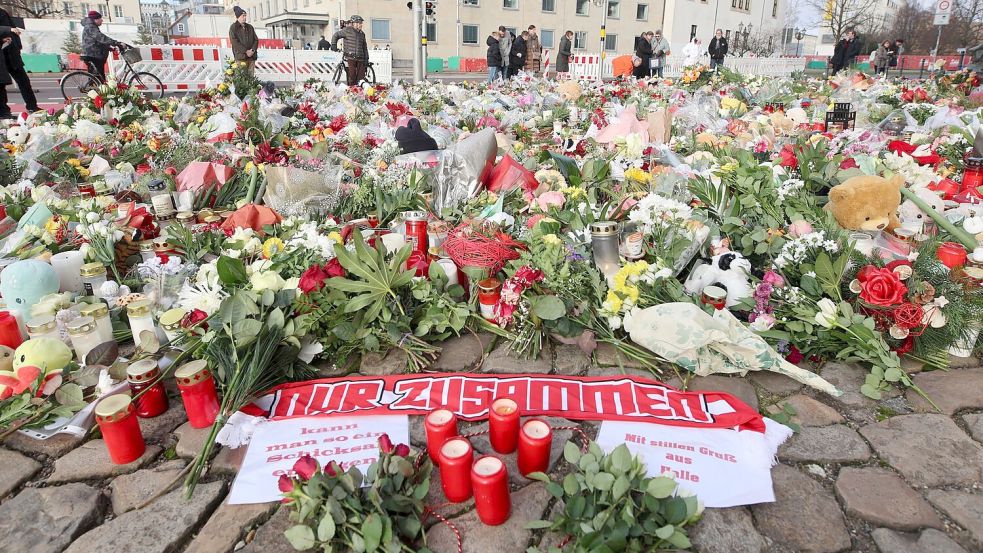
840	16
35	9
965	28
762	43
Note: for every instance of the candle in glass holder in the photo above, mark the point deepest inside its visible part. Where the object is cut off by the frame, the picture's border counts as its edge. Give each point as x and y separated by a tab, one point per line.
604	243
10	335
100	314
535	441
490	482
84	336
142	375
117	421
715	296
441	425
456	459
972	173
503	425
197	388
140	314
489	292
170	323
951	254
68	266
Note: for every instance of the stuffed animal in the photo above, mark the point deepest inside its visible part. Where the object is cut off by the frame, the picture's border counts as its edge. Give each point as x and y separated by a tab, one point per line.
912	217
570	90
25	282
867	203
49	354
729	270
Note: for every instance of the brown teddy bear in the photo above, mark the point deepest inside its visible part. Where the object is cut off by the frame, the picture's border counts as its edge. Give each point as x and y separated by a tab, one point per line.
868	203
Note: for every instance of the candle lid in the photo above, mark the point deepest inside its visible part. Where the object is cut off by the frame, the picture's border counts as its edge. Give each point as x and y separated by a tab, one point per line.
146	245
172	317
440	416
226	214
143	370
212	219
92	269
455	448
185	216
414	215
95	310
536	429
113	407
489	284
190	373
504	406
138	308
488	465
41	323
603	228
81	325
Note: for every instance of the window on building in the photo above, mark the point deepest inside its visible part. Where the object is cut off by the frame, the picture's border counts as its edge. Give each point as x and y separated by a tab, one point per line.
580	40
733	3
774	8
546	38
611	42
469	3
510	4
614	8
469	34
117	11
549	6
642	12
66	8
432	31
583	7
380	29
692	31
179	28
727	34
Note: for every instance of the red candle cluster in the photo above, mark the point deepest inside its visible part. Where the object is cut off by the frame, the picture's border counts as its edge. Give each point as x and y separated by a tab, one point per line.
117	421
141	376
441	425
10	335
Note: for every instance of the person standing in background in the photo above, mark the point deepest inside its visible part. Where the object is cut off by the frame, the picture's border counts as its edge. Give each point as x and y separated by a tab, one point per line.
15	65
895	51
245	43
643	56
882	58
717	49
846	52
7	35
660	51
505	39
95	44
564	52
323	44
517	55
493	57
356	51
534	51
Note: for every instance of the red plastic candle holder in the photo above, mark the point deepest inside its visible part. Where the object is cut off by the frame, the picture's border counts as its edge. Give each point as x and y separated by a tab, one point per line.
143	375
490	482
117	421
951	254
441	425
456	459
197	389
503	425
10	335
535	441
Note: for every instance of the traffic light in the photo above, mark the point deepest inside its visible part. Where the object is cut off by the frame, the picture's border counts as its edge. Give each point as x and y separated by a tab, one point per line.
430	8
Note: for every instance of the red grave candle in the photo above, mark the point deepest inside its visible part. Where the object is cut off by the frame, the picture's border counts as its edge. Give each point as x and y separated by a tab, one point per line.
141	376
535	441
197	389
441	425
951	254
490	482
503	425
10	335
117	421
456	458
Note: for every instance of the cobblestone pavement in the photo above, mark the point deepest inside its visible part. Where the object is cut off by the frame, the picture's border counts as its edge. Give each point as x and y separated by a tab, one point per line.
893	476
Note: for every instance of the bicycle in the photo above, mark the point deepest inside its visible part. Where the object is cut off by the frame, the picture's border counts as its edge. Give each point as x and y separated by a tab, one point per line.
340	75
78	83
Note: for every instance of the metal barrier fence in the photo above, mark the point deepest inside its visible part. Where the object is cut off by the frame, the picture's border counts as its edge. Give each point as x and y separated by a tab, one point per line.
196	68
590	66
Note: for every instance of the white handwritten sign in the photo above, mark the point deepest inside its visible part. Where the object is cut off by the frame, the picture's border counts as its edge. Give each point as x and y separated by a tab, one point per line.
723	467
276	446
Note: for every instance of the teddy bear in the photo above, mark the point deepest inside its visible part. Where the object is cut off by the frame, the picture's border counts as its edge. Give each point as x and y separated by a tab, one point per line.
570	90
866	203
911	217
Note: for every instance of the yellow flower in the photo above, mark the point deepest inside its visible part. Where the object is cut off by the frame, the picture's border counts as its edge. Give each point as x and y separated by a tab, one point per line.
614	301
336	236
552	240
249	166
201	119
222	87
631	293
729	167
84	172
574	192
228	71
638	175
52	226
74	162
370	91
271	247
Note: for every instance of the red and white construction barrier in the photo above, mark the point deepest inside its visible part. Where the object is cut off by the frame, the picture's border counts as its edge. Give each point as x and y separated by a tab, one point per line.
199	67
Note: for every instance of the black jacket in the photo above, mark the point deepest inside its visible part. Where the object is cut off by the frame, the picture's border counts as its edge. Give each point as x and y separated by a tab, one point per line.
11	53
5	79
355	45
563	56
643	50
323	44
494	55
846	52
517	55
717	48
94	43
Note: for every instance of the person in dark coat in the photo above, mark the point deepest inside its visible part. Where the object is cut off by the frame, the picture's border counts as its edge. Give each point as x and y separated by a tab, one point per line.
564	53
643	56
717	49
323	44
517	55
95	44
243	38
493	56
846	52
15	65
7	35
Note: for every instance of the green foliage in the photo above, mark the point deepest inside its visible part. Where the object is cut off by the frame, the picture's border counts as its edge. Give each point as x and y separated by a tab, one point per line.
72	44
611	505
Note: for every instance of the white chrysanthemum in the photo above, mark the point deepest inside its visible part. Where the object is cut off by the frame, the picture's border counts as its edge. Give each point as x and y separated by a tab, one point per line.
205	297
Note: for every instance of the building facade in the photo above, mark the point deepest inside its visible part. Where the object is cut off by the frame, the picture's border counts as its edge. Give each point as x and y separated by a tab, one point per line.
459	28
156	16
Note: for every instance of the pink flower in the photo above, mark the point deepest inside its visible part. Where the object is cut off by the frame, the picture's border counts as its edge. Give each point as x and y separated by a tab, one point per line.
305	467
546	200
799	228
775	279
385	444
531	223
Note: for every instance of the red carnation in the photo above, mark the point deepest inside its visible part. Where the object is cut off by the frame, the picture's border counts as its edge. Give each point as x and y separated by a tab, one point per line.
334	268
787	157
98	102
313	279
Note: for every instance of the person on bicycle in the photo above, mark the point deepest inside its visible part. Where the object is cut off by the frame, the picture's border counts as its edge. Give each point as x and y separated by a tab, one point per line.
95	45
356	49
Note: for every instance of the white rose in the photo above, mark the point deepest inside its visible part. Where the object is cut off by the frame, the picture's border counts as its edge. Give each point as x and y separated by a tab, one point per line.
266	280
826	317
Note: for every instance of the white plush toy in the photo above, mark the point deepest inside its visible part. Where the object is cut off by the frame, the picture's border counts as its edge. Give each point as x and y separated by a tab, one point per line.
729	270
912	217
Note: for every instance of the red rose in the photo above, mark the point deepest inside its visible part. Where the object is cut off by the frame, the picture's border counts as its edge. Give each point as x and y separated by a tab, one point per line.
285	483
313	279
332	469
788	158
334	268
402	450
882	287
194	318
794	355
385	444
98	102
305	467
848	163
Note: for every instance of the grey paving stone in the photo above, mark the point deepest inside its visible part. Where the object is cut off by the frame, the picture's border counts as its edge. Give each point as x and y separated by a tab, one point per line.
90	461
727	531
15	469
880	496
951	391
46	520
825	444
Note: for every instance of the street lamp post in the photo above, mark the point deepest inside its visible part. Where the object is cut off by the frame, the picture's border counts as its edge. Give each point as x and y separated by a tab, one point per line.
798	46
737	37
747	32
